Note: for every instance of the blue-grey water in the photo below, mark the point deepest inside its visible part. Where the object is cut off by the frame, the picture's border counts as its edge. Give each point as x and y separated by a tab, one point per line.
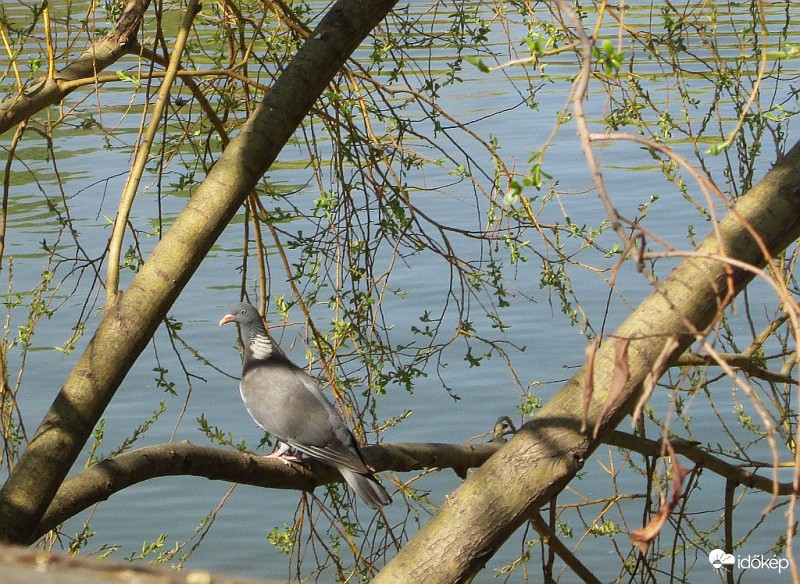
92	178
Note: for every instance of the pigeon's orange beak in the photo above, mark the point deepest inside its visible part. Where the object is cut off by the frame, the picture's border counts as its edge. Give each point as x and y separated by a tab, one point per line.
226	319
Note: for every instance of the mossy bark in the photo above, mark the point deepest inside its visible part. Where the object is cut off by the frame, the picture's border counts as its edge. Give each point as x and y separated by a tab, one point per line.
50	89
128	326
550	449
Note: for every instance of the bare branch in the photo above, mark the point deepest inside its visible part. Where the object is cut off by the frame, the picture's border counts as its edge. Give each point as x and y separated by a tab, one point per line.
550	449
128	326
110	476
739	361
143	153
547	533
696	454
54	86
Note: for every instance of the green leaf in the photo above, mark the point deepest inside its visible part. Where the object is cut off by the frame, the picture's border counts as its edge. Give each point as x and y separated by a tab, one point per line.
122	76
478	63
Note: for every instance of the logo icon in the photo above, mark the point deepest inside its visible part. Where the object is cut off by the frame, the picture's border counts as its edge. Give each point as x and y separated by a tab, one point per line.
719	558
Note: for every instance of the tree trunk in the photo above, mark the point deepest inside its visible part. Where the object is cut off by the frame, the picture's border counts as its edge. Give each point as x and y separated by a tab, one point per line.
127	327
550	449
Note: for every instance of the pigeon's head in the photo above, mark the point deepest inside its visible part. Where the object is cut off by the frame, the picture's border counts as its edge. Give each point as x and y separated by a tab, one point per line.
252	330
244	314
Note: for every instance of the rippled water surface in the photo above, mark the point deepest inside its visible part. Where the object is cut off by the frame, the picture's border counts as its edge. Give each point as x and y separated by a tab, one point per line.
92	178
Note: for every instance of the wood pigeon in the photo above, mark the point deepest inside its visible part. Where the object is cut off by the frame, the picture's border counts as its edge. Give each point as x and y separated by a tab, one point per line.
286	402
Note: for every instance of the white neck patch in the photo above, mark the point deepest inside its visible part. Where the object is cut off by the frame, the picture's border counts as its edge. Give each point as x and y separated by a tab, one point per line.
261	347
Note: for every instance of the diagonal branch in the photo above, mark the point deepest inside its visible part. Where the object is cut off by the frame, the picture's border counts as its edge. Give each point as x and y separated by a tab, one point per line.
53	87
143	154
130	323
692	451
549	450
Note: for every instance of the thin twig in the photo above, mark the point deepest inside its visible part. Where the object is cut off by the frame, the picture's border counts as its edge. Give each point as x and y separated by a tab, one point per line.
142	153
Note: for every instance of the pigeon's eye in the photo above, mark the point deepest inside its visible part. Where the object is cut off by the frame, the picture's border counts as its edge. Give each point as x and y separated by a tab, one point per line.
242	312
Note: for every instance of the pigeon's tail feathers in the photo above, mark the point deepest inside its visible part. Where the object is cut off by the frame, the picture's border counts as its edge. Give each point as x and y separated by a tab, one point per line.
366	487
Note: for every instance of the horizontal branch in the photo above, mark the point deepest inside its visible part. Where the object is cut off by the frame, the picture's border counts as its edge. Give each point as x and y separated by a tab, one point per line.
103	78
697	455
112	475
740	361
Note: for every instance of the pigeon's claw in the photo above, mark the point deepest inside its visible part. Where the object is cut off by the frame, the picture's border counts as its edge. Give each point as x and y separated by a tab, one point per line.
283	454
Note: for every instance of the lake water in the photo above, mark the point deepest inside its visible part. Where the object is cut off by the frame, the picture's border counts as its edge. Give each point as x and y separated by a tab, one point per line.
92	178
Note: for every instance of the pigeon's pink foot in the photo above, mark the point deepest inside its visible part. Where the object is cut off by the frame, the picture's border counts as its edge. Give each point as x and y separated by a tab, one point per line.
282	453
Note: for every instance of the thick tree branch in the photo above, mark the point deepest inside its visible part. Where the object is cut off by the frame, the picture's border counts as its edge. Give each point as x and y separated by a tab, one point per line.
113	475
550	449
128	326
110	476
52	88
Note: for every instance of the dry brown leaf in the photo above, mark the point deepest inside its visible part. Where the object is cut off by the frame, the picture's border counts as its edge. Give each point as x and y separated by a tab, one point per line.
642	538
588	386
618	381
653	376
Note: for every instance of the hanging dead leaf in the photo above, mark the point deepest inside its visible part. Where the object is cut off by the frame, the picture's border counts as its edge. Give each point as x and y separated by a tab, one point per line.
618	381
653	376
588	384
642	538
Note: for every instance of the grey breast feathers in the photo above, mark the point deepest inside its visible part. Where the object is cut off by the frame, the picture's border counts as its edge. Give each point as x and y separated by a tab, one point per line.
286	402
